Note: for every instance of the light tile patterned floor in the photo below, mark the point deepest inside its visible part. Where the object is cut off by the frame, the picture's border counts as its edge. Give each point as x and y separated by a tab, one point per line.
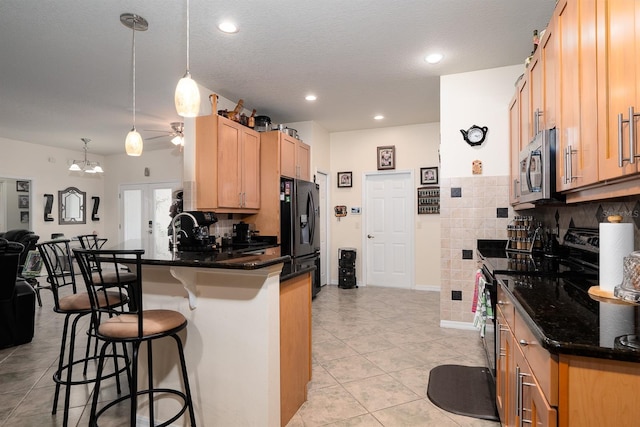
372	351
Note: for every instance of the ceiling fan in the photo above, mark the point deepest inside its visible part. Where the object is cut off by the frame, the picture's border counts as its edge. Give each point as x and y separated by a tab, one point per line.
176	133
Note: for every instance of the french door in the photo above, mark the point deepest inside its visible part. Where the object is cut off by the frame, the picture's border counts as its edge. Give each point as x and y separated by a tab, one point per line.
144	215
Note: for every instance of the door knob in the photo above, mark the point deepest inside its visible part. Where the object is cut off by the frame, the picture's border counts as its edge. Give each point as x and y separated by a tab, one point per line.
369	236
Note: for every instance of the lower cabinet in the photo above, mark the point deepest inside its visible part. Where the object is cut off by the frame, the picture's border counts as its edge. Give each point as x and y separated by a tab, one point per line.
295	344
536	388
526	374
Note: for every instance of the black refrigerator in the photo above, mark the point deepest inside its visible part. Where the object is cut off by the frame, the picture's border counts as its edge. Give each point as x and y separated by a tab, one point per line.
300	225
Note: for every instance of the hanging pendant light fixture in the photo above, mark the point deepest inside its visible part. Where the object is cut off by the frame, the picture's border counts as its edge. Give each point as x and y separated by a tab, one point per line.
85	165
187	96
133	143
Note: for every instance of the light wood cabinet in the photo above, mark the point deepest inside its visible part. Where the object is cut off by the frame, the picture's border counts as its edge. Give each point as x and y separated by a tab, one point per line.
277	155
514	132
577	141
619	49
295	344
534	387
294	156
598	392
532	408
526	374
227	166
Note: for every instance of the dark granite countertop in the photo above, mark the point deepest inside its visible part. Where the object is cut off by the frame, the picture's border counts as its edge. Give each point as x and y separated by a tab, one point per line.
230	259
291	270
566	319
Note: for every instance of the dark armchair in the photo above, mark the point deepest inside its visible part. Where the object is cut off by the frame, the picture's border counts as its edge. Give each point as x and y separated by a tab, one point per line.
17	298
28	240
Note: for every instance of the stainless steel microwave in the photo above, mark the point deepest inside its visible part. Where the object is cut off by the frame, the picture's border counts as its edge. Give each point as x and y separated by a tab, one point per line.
538	169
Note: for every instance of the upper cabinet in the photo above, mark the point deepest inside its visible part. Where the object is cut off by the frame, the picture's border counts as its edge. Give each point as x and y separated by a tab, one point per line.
577	161
227	166
584	81
619	44
294	157
514	131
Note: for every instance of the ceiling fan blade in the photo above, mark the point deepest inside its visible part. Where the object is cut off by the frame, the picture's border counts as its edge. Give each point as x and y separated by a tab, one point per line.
156	137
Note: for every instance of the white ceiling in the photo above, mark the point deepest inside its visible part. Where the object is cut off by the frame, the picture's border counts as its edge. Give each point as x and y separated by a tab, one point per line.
65	65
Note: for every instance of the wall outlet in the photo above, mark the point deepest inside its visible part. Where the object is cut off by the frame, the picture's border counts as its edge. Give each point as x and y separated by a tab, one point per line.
456	295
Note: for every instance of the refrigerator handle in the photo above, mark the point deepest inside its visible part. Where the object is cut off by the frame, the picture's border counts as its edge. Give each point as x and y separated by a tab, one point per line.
311	216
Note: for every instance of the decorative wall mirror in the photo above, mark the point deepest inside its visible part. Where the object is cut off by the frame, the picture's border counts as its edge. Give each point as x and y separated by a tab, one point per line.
71	206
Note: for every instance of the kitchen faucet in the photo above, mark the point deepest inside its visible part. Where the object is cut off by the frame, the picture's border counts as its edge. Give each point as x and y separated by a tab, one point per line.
173	228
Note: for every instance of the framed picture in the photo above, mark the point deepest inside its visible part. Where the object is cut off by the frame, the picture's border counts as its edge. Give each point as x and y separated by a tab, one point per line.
387	157
32	265
428	176
24	217
23	202
344	179
22	186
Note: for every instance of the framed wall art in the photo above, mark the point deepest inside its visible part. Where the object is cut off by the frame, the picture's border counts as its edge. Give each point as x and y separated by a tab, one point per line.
387	157
24	217
344	179
23	202
429	176
22	186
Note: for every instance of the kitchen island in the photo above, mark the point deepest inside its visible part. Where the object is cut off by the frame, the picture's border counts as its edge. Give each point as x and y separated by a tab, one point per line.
233	343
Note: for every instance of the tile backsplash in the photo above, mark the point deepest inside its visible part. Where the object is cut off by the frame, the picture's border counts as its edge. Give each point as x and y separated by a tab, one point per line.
476	208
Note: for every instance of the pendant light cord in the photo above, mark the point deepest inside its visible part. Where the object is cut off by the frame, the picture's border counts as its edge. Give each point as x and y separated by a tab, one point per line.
187	36
133	60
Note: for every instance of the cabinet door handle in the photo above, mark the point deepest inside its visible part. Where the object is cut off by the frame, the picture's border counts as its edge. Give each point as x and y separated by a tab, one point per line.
620	157
523	343
632	136
518	395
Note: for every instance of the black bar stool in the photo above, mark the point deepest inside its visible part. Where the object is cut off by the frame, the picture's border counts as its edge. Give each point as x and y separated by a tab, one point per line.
133	327
56	257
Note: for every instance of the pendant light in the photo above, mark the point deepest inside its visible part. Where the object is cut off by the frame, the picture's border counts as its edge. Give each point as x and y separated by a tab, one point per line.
133	143
187	96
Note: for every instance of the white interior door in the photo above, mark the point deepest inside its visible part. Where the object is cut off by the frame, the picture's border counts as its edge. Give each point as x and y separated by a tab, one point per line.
388	230
145	214
323	181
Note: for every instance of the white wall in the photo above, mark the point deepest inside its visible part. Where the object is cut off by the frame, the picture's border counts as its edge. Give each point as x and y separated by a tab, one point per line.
477	98
47	168
356	151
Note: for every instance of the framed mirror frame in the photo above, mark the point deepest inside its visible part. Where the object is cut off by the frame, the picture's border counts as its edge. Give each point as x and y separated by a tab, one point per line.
72	206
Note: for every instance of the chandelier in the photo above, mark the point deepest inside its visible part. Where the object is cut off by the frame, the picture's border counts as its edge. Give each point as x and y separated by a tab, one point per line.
85	165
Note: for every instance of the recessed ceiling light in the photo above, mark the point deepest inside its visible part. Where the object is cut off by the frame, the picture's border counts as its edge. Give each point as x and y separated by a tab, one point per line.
228	27
434	58
378	117
310	97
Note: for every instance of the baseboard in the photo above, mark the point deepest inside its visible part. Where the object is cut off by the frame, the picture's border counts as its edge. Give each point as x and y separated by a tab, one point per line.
430	288
458	325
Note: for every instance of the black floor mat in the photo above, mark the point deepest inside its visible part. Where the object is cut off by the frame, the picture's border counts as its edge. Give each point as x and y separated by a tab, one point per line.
464	390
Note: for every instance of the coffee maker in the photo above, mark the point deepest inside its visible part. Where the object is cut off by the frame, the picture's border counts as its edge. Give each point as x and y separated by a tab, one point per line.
242	233
194	237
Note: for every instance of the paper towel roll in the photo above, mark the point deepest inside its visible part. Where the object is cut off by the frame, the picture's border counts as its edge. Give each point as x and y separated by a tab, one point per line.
616	242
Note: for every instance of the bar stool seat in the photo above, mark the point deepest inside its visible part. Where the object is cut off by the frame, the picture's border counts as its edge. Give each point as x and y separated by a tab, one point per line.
134	327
